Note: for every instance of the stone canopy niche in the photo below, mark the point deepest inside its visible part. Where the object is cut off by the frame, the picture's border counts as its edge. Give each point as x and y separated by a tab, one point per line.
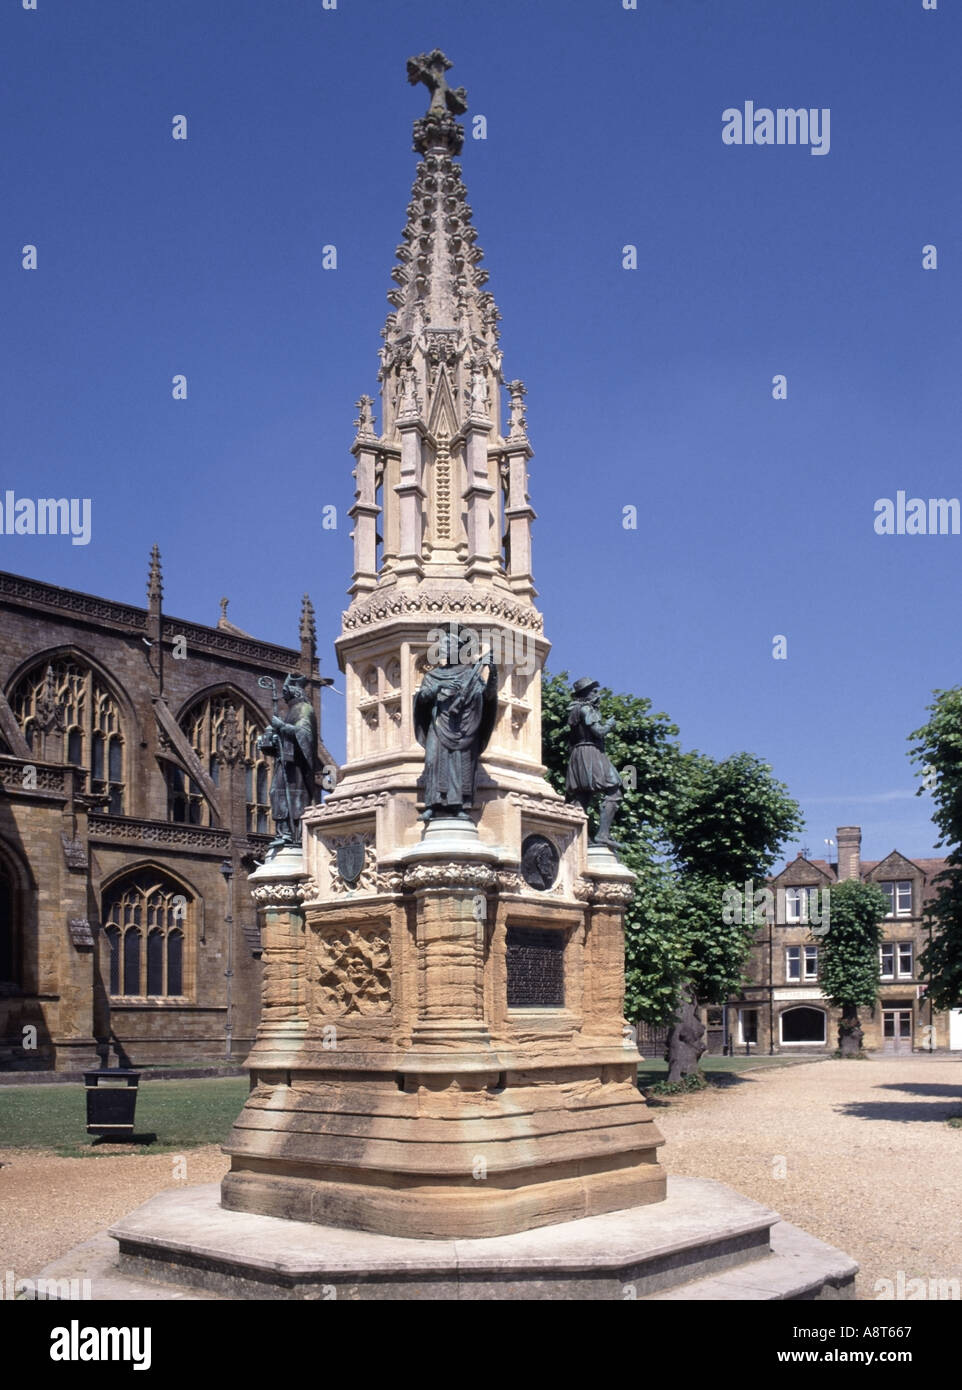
442	1050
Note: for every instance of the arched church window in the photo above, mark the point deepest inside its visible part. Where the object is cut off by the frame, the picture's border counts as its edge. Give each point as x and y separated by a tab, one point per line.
150	904
68	715
221	728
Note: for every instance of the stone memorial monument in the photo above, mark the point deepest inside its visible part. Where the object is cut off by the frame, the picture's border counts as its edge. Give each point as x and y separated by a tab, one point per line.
443	1092
445	995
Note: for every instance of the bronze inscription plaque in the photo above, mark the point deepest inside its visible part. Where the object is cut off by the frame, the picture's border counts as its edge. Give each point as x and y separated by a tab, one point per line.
536	978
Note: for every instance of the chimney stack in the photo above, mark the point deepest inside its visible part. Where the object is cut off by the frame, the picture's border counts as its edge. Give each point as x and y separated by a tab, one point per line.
848	839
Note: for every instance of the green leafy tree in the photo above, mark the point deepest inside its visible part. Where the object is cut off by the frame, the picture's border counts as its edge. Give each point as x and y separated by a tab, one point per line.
690	827
728	824
937	746
848	956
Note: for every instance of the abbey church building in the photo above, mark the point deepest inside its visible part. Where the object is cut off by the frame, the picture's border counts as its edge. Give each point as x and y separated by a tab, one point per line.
133	802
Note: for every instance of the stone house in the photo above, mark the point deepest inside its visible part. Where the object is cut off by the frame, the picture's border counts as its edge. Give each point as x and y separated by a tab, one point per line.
133	801
783	1009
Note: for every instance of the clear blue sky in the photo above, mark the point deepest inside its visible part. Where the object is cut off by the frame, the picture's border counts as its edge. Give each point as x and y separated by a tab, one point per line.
649	387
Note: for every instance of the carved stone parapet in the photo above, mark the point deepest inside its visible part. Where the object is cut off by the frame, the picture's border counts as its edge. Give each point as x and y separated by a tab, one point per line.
439	603
161	832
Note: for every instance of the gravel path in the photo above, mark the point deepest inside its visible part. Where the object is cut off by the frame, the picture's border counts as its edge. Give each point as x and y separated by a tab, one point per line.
857	1153
50	1204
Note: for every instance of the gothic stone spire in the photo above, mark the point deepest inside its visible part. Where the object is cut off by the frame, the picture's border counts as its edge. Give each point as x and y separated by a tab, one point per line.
444	323
441	492
155	586
155	621
308	627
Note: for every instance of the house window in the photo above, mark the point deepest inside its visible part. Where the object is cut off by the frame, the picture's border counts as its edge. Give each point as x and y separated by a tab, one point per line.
221	727
68	715
899	895
747	1026
801	904
802	1025
905	961
146	919
887	961
801	963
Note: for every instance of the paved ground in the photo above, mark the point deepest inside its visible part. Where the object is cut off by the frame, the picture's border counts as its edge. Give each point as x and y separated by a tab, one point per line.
857	1153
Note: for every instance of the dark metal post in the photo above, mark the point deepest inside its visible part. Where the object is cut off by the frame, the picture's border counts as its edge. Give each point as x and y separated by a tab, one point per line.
227	869
771	985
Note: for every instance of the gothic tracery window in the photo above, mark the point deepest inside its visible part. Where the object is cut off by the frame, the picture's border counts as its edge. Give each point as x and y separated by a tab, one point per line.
68	715
146	919
221	727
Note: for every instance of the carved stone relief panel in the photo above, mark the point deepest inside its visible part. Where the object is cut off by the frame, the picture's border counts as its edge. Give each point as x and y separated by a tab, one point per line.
351	972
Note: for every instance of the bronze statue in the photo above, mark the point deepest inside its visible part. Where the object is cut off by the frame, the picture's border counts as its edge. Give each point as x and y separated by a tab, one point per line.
292	742
455	709
590	771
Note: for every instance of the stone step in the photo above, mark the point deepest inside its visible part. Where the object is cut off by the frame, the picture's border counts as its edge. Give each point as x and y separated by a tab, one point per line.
800	1266
96	1261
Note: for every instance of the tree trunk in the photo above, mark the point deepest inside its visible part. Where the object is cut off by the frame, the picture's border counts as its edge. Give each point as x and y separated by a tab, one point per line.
850	1033
686	1037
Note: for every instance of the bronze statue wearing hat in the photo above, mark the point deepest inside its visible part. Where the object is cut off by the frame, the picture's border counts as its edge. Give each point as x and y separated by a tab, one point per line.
590	772
292	742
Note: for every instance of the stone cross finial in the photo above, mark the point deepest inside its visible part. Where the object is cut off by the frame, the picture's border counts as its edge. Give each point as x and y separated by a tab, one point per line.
430	68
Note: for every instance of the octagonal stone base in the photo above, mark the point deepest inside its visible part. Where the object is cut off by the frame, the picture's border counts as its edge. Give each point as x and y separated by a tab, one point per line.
704	1242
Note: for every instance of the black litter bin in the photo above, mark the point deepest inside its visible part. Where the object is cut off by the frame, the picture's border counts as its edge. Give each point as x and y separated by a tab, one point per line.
111	1106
